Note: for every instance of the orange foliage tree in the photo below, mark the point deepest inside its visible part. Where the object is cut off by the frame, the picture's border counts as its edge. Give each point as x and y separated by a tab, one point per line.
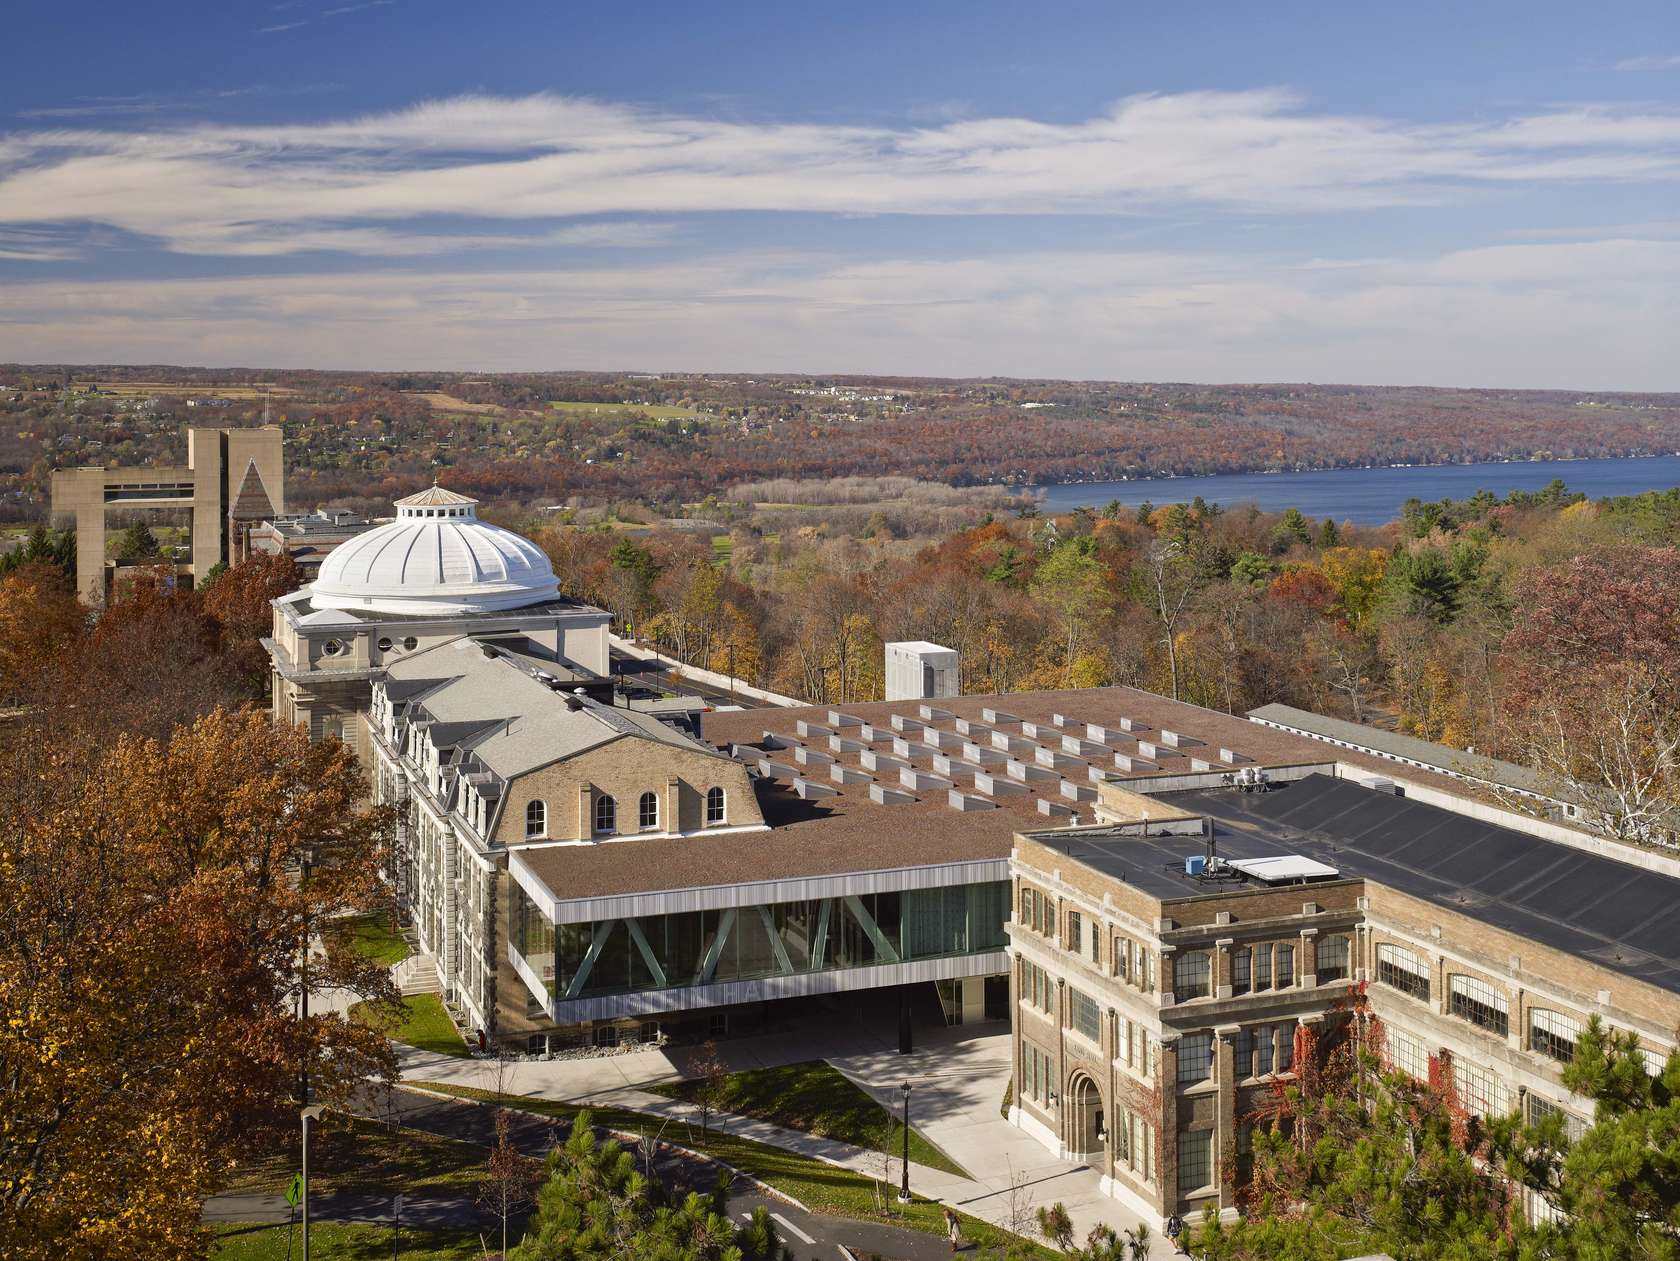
153	921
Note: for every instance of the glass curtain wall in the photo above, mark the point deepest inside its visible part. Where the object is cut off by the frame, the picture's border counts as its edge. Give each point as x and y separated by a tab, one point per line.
742	943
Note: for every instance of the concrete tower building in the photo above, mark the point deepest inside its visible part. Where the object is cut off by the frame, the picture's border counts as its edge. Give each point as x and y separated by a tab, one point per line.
234	479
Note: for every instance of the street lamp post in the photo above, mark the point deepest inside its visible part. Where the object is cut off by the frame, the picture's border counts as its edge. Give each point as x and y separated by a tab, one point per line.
311	1113
904	1165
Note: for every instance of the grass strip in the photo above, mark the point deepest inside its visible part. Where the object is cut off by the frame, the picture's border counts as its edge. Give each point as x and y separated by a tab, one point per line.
816	1098
257	1242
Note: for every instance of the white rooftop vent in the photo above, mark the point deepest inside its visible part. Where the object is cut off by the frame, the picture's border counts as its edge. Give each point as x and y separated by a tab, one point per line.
1283	869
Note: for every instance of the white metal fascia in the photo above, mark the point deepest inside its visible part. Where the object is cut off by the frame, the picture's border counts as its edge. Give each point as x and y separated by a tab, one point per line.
753	893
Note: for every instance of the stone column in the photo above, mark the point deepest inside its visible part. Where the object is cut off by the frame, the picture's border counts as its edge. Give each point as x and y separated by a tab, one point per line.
1306	967
1165	962
1225	1127
1166	1172
1222	967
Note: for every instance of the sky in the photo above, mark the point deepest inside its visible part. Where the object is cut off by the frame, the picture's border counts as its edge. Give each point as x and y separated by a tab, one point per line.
1419	194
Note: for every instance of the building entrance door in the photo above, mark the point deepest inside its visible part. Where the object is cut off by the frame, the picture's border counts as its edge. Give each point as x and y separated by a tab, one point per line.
1087	1135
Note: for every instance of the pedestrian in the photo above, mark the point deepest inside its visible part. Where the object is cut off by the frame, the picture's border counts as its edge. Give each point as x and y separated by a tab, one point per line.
953	1228
1175	1232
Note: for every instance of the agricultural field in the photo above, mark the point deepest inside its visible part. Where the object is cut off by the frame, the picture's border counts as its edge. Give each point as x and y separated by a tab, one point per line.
653	411
212	390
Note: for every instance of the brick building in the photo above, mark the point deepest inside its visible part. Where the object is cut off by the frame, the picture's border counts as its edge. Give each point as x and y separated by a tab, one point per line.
1165	960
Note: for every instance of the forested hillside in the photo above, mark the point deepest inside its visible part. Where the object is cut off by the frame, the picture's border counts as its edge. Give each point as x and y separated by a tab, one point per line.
598	436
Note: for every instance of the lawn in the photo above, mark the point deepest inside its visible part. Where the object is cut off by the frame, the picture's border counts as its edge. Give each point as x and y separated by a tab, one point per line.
821	1188
355	1154
424	1024
330	1239
373	937
817	1099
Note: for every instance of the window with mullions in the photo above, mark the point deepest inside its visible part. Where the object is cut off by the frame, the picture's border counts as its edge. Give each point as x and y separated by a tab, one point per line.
1478	1002
1332	959
1084	1015
1075	931
647	811
536	818
1406	1055
1190	975
1283	965
1539	1108
1195	1160
1262	967
1241	960
716	807
1553	1033
1195	1059
1403	970
1479	1090
606	814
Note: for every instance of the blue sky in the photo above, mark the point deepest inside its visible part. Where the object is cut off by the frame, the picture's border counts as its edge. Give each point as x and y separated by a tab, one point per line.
1423	194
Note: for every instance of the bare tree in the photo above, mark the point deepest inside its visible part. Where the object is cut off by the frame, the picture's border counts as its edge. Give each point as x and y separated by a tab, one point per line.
1612	751
1169	579
713	1076
510	1178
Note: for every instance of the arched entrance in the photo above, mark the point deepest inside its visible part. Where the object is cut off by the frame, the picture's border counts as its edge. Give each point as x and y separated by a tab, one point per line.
1087	1125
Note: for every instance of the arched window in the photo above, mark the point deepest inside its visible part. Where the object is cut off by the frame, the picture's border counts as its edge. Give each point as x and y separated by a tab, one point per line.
1553	1033
536	819
647	814
715	808
1403	969
606	814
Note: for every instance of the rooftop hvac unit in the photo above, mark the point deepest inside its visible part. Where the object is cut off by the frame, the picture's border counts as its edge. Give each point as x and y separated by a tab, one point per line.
918	670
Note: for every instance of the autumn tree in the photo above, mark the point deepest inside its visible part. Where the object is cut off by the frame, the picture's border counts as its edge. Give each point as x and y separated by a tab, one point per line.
40	619
1592	686
154	917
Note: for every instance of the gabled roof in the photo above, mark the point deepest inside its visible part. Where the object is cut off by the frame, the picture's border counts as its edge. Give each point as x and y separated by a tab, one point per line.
510	720
252	502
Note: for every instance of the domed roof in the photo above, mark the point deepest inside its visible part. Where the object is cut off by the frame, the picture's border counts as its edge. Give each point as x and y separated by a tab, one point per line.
436	558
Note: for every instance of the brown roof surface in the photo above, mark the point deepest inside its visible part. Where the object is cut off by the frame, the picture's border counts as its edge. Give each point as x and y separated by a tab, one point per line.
849	832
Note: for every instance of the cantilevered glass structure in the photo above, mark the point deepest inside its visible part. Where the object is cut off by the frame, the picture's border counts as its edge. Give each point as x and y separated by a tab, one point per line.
663	960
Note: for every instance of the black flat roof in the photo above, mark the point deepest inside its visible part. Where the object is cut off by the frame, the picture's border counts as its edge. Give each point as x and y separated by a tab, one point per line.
1614	914
1155	864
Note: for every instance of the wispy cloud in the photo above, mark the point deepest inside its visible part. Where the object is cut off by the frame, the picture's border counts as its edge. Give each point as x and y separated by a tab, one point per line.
1649	63
342	9
214	189
1591	315
281	26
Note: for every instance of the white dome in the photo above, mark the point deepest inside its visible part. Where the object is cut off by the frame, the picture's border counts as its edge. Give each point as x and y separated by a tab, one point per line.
436	558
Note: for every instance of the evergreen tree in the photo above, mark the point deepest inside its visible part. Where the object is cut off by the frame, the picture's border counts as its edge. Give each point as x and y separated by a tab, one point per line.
136	543
597	1204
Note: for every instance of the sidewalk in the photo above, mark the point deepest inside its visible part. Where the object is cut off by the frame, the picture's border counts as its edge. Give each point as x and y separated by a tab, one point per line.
957	1078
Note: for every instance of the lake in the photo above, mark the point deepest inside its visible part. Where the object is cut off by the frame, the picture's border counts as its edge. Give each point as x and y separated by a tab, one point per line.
1371	496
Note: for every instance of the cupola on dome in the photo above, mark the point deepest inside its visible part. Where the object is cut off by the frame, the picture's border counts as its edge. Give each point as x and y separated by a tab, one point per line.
436	558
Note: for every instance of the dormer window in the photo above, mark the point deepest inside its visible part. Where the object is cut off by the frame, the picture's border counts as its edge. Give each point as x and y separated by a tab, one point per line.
536	819
716	807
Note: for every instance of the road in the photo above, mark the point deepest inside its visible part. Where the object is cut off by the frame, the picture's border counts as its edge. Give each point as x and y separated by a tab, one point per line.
808	1236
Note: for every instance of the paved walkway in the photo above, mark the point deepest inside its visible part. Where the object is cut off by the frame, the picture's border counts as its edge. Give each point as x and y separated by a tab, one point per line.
957	1077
